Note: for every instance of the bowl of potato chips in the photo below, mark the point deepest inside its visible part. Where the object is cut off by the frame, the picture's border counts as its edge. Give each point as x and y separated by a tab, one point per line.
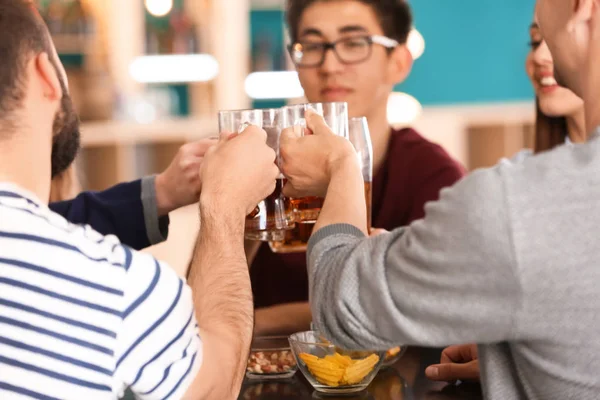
330	369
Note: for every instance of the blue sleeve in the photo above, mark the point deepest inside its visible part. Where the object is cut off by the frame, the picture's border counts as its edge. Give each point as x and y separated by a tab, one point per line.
117	211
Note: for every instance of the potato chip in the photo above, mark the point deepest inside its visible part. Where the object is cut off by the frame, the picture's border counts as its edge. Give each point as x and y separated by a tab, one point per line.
392	352
327	382
342	361
360	369
305	357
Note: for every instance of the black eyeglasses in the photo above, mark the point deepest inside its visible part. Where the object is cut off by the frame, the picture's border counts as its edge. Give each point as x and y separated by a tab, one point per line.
352	50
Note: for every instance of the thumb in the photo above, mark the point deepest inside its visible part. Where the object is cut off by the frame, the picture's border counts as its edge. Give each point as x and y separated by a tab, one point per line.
316	123
452	371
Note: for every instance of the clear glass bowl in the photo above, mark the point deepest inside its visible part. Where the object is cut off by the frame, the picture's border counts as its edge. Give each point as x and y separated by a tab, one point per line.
360	369
270	359
393	355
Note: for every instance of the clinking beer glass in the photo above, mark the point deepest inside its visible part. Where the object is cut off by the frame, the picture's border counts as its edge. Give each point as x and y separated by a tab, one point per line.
272	216
306	210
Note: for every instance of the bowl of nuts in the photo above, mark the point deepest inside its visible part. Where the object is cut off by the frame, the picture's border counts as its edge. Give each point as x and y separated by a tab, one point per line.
271	358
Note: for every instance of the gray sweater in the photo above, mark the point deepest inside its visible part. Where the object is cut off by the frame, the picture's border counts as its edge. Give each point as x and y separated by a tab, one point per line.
507	258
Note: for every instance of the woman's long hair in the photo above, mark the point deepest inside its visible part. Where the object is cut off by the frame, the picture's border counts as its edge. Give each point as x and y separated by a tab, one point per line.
549	131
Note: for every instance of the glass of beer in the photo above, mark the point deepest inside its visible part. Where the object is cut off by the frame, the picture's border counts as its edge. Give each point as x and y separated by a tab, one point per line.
272	216
360	137
306	209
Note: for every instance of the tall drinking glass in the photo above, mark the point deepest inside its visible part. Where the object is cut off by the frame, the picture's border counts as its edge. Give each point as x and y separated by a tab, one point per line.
306	209
272	216
361	139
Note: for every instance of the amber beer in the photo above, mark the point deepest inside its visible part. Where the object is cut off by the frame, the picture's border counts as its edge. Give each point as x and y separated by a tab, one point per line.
369	200
307	209
296	239
271	217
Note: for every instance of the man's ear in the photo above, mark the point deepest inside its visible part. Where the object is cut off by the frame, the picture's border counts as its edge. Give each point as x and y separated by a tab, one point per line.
401	62
595	20
48	76
582	13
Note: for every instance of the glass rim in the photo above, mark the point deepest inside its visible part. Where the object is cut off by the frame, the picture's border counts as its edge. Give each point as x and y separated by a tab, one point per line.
332	103
274	337
265	339
316	333
248	110
330	344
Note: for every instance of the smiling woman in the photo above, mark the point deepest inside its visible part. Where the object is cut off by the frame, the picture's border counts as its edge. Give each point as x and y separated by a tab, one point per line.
559	111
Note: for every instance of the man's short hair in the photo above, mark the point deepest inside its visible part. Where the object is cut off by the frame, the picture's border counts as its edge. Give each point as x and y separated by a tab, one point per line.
394	16
23	35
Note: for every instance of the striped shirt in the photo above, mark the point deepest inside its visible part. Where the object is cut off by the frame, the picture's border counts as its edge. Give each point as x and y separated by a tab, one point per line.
84	317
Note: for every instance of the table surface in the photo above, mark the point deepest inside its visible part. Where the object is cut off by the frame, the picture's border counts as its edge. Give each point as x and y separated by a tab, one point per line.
403	381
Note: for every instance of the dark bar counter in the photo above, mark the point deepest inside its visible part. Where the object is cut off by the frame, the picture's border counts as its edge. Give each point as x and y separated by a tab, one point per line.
403	381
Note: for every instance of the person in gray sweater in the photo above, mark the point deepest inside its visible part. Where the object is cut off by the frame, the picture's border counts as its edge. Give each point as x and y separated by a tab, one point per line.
560	121
507	258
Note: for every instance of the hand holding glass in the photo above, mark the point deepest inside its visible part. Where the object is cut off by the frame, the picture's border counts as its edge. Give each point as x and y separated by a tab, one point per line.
272	216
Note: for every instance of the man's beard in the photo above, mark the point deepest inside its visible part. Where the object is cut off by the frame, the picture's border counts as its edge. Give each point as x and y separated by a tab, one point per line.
66	136
558	77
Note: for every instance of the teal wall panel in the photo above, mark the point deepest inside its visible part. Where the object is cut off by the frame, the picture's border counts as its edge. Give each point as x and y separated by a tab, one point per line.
475	49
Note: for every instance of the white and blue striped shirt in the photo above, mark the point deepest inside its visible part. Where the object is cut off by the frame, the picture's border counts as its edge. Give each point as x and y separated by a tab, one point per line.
84	317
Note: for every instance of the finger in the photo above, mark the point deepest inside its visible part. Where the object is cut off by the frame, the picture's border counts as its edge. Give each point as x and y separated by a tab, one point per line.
275	172
317	124
253	130
457	354
210	151
474	350
191	162
453	371
301	130
272	155
289	135
225	136
200	147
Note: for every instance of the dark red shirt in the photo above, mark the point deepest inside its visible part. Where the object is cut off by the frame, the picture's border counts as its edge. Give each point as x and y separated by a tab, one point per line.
412	174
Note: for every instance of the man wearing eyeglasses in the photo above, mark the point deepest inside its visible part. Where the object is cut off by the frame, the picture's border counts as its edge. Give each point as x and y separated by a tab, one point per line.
353	51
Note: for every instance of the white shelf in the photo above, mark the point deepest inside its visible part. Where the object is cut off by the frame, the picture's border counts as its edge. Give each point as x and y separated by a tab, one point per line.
98	134
174	68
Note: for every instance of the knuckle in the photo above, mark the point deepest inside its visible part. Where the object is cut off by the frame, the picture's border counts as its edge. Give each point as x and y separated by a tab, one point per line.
275	171
184	164
261	133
